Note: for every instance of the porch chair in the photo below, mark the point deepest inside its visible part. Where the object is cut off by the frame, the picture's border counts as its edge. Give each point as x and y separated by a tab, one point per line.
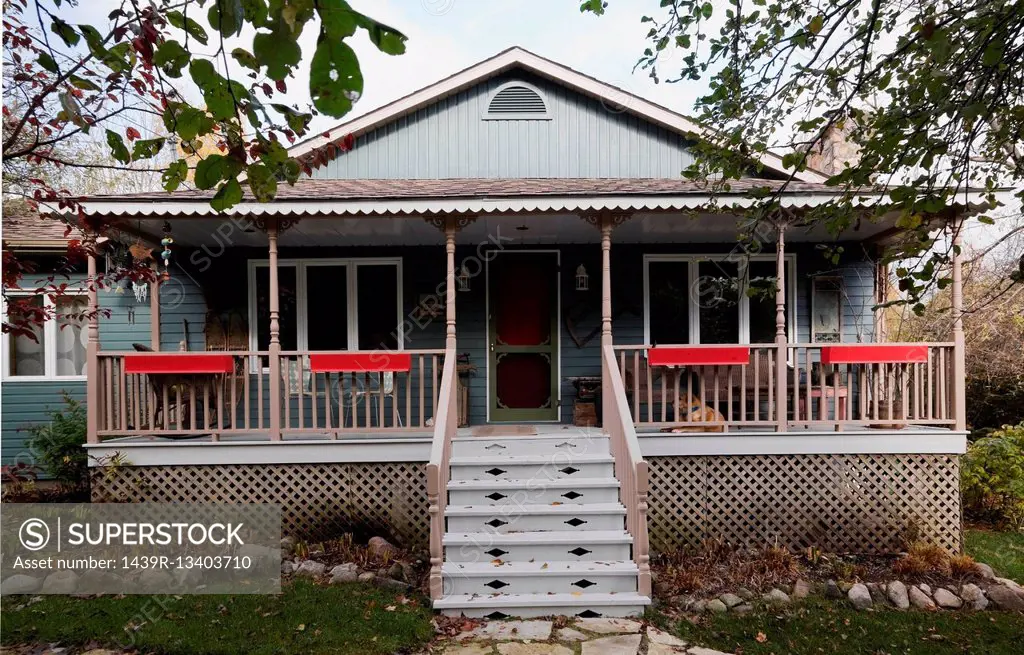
382	385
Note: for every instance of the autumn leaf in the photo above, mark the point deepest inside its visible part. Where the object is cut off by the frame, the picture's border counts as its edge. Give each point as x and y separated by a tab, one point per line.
761	637
132	133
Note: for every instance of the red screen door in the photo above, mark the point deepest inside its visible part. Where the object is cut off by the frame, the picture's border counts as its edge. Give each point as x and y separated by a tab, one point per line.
523	336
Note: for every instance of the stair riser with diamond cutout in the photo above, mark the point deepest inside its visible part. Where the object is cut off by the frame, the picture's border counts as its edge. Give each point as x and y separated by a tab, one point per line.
510	521
486	549
558	468
539	494
538	446
541	583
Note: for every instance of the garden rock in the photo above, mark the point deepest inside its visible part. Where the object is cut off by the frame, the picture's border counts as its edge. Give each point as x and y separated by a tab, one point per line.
656	636
920	600
859	596
60	582
832	590
985	571
777	597
348	566
946	599
699	606
287	546
716	606
974	596
287	567
925	588
310	569
381	547
389	583
730	600
897	594
611	625
1005	598
745	593
568	634
368	576
877	592
20	584
154	581
342	576
745	608
802	589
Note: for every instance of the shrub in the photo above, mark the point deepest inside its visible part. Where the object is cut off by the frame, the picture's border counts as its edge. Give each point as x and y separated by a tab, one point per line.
58	444
992	478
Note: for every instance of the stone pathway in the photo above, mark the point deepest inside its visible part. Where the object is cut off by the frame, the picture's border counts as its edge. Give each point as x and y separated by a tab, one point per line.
605	636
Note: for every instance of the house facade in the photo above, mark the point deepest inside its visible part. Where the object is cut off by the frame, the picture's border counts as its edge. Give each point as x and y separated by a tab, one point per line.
504	328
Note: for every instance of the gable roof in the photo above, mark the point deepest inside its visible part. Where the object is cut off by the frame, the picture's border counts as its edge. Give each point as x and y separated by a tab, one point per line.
517	57
24	228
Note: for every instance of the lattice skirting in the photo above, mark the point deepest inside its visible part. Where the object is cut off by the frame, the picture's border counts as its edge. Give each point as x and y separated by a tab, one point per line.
839	503
318	501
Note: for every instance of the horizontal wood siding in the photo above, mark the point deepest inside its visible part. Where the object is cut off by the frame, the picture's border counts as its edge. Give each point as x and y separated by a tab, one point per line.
449	139
25	403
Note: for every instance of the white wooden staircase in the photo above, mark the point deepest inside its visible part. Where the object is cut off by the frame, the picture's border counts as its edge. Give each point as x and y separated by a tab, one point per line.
534	527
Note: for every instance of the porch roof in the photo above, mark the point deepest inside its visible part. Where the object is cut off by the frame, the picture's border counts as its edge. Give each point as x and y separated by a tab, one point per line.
383	197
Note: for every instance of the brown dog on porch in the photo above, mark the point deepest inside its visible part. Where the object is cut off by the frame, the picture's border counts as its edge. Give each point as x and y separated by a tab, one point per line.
693	410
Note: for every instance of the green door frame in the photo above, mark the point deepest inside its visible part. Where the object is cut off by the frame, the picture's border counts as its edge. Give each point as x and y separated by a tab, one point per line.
496	414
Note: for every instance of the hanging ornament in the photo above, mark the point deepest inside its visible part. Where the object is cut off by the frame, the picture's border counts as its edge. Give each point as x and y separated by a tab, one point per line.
141	290
166	242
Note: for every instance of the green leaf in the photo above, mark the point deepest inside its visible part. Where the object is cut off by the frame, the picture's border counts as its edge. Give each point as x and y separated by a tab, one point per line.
335	81
338	20
46	62
191	27
171	57
147	148
228	195
211	170
117	147
66	33
82	83
94	40
706	10
187	121
387	39
218	96
175	174
993	54
278	51
245	58
262	182
817	23
296	120
226	17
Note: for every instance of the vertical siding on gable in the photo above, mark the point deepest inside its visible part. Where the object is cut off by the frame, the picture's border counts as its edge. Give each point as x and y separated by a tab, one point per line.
449	139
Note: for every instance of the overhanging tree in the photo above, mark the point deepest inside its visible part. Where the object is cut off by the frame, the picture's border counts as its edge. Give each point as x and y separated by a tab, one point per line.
205	69
931	93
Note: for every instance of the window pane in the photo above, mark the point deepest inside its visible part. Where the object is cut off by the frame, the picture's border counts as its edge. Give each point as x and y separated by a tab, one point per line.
717	294
287	317
377	308
28	355
762	302
71	335
327	307
669	302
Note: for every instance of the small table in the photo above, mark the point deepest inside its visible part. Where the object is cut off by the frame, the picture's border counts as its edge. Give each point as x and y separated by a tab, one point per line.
588	391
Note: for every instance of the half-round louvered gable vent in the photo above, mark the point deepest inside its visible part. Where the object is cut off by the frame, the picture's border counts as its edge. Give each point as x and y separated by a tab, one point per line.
516	101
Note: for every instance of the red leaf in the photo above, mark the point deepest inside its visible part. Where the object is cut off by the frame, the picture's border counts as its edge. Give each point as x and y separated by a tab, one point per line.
132	134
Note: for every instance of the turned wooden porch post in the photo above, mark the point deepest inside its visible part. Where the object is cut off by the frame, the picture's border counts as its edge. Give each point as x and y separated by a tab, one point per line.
449	301
606	304
959	343
275	336
781	337
154	308
92	351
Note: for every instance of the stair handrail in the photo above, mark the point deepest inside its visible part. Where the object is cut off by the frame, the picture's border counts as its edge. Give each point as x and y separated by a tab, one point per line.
446	423
630	467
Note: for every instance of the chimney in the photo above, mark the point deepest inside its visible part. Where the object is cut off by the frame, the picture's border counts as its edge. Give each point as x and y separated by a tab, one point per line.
834	151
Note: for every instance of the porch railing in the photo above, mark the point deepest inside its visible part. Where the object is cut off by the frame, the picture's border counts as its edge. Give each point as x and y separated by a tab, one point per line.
878	391
239	401
445	427
630	467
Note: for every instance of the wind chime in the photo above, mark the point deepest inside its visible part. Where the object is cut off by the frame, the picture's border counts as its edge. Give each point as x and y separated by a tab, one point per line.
166	242
141	254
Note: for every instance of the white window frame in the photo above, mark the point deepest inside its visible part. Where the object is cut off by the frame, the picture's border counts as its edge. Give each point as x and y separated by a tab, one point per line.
50	328
351	265
693	261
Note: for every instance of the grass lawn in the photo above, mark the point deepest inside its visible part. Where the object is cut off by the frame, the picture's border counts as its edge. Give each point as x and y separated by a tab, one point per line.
1003	551
820	626
350	618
